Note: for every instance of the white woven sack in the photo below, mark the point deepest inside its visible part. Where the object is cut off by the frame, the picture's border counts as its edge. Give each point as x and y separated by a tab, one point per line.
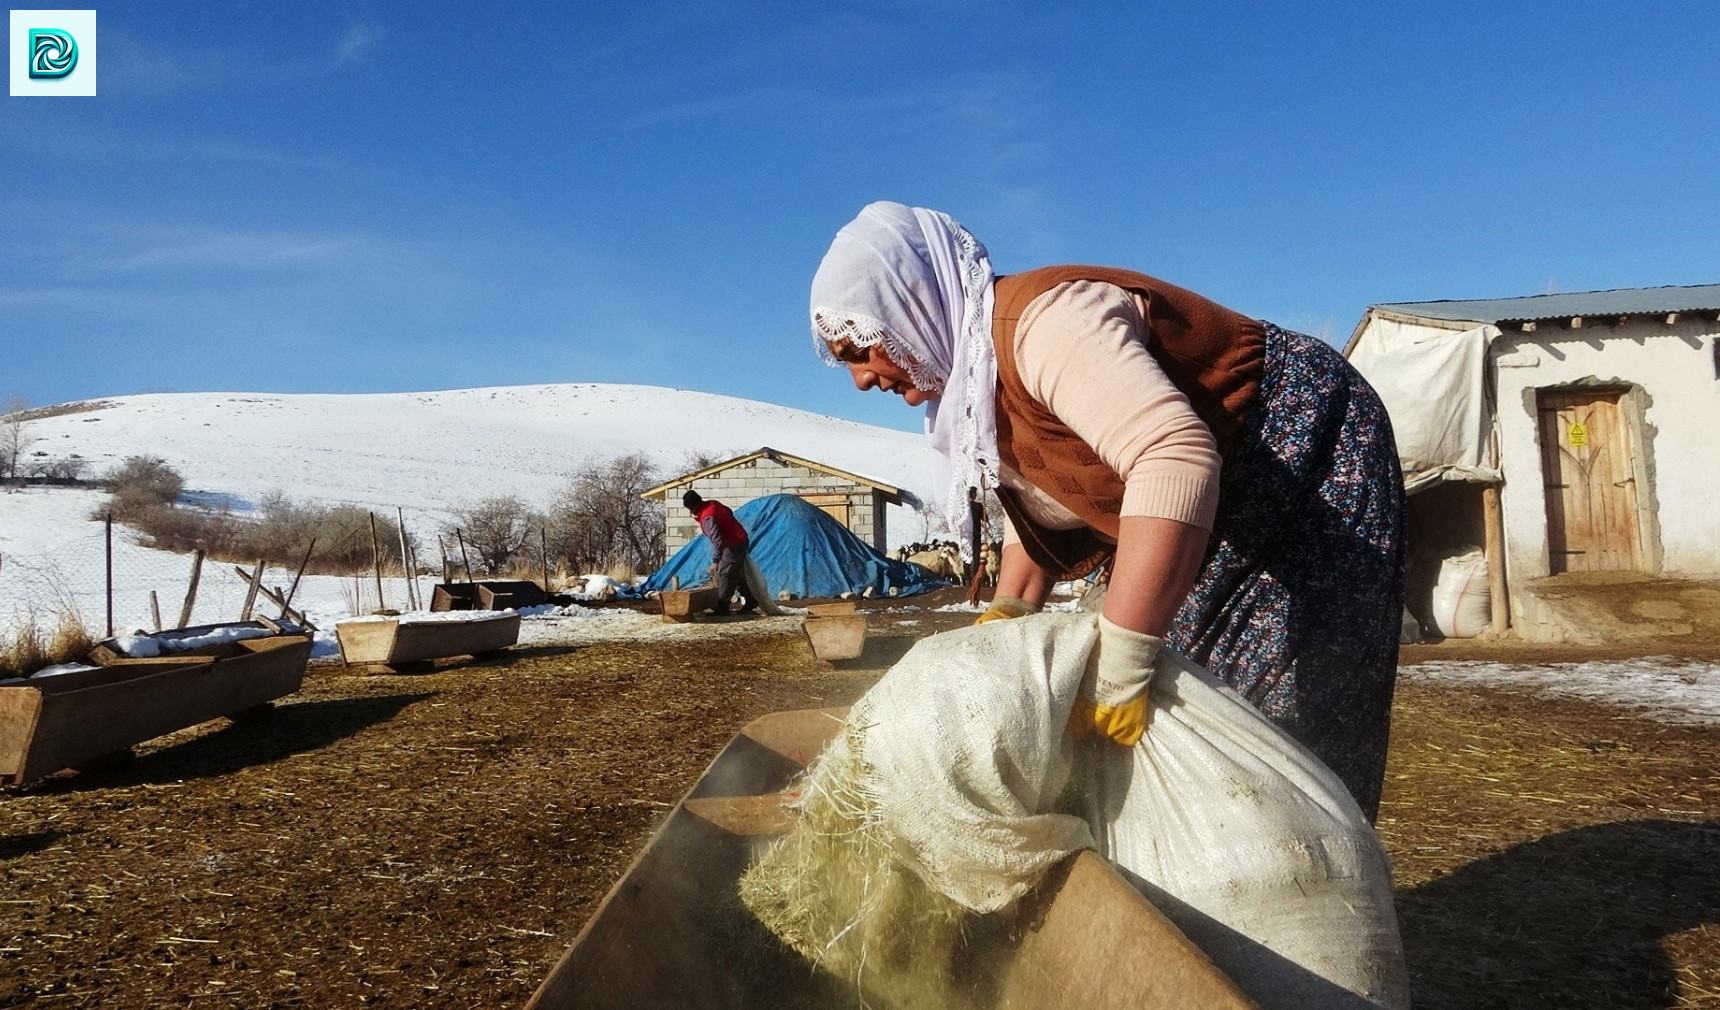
1462	602
1239	834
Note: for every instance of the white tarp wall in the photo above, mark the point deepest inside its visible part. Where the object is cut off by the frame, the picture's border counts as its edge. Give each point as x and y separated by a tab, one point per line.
1433	383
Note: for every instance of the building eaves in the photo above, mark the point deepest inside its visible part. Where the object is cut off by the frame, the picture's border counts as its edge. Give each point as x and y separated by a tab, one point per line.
1599	304
893	494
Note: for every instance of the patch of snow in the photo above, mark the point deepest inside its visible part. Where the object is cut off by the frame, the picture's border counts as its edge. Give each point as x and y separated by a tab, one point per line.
147	646
592	626
59	668
1659	687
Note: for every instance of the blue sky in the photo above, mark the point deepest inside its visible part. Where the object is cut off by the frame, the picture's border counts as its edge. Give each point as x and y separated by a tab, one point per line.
375	197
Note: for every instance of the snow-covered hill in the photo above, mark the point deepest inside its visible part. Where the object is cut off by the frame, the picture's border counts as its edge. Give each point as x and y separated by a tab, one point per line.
439	451
427	453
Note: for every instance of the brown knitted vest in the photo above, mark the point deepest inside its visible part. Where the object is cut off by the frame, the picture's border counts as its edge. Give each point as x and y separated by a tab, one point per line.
1213	355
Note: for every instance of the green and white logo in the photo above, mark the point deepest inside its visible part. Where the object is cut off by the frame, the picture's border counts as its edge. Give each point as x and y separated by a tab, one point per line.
53	53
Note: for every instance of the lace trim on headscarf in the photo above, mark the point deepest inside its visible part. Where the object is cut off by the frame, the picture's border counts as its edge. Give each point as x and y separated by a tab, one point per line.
833	326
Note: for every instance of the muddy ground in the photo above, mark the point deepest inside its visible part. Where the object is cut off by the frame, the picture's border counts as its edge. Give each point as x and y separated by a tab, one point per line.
437	840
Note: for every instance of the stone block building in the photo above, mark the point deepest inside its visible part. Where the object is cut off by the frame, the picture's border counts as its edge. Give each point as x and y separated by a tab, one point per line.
854	501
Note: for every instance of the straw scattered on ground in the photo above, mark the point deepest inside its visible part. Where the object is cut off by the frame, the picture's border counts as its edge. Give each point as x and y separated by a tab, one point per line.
436	841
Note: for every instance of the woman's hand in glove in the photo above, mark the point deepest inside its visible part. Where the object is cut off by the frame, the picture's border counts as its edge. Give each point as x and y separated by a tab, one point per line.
1005	607
1113	698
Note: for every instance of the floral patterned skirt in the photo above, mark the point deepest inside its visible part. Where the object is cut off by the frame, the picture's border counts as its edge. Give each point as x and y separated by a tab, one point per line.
1300	595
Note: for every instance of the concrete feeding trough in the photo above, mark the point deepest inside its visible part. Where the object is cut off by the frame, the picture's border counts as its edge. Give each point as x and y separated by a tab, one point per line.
73	719
392	642
660	939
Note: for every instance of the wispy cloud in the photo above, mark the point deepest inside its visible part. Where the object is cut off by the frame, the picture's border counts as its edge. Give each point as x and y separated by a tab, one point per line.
356	42
246	251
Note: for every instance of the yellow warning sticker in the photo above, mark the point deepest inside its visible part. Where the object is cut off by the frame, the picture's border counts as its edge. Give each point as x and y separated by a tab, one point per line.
1577	434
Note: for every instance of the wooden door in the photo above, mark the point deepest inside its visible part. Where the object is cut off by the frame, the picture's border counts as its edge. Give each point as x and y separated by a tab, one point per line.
1590	482
833	505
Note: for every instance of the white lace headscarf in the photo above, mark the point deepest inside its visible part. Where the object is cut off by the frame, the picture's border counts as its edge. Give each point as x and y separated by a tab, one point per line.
918	283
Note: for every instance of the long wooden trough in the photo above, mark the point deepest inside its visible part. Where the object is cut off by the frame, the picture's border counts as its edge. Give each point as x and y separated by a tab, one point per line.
671	934
389	641
69	720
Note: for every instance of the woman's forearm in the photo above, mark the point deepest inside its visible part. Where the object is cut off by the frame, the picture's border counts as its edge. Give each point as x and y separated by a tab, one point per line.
1156	565
1019	576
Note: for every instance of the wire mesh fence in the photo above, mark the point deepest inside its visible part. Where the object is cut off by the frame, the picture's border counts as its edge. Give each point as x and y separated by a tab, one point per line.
101	577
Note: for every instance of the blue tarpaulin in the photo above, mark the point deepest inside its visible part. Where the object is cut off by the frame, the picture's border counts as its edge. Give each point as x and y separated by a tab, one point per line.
800	549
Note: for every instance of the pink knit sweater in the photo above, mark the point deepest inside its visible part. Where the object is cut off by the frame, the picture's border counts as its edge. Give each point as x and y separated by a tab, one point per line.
1081	351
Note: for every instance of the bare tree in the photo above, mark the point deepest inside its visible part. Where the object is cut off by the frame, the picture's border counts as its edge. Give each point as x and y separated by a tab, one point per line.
15	437
694	460
497	528
599	518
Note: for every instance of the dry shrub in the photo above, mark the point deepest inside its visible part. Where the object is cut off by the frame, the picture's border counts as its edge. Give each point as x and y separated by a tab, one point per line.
834	892
27	650
21	654
142	484
71	640
619	567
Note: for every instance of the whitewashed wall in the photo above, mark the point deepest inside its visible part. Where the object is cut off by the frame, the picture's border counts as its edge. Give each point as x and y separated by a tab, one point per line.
1672	372
1674	368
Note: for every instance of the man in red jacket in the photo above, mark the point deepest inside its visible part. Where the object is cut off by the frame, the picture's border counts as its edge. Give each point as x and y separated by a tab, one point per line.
728	551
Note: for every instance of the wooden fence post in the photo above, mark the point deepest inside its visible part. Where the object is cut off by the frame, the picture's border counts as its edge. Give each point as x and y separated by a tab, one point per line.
191	590
287	600
412	562
251	594
400	527
376	562
460	538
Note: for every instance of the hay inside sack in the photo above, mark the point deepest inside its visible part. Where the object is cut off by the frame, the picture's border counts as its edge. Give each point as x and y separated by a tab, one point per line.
833	890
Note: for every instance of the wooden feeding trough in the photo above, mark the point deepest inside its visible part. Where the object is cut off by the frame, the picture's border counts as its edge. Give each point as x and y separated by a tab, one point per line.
494	594
393	642
671	934
71	720
836	637
447	596
682	605
172	641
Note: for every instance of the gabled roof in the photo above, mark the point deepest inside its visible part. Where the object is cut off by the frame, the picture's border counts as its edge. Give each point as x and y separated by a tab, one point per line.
892	494
1614	302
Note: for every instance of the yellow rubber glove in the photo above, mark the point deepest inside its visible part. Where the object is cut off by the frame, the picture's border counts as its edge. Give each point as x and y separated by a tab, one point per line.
1113	698
1005	607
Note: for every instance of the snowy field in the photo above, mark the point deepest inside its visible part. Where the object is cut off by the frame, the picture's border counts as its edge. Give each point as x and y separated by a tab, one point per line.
430	454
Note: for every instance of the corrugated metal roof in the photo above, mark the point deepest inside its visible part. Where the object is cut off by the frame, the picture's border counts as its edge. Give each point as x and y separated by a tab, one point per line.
1617	302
